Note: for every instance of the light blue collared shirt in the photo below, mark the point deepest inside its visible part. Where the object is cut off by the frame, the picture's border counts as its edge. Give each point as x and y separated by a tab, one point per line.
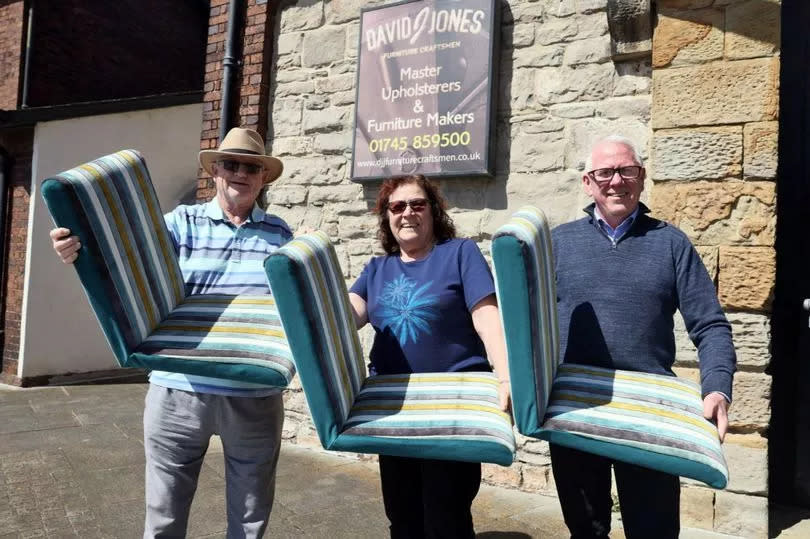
615	234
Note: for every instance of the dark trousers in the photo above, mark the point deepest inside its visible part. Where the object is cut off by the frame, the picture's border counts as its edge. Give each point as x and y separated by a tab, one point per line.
429	498
649	500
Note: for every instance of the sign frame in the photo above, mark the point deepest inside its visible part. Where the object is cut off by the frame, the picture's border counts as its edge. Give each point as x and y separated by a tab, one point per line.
490	107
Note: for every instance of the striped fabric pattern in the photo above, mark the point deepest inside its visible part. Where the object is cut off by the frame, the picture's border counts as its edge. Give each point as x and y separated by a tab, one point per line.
647	419
139	270
443	415
217	328
341	360
445	409
524	274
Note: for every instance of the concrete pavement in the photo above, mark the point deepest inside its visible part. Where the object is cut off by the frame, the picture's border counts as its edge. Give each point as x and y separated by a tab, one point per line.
71	465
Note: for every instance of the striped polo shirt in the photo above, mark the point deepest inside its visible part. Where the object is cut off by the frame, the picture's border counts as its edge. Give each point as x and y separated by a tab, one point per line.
217	257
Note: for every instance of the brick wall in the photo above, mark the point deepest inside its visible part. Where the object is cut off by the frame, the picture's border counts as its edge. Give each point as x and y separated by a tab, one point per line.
87	50
19	145
11	42
252	89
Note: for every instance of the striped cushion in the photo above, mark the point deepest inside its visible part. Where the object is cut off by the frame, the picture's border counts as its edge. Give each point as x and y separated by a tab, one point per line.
309	288
444	416
234	337
127	263
438	416
525	285
651	420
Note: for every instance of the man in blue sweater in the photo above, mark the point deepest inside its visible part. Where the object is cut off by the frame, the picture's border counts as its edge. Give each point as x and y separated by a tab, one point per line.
621	275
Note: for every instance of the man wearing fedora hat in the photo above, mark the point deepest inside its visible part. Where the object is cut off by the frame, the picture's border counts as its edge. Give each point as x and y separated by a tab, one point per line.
221	246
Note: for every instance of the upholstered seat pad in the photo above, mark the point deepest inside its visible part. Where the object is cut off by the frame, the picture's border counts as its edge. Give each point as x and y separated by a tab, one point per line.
646	419
234	337
435	415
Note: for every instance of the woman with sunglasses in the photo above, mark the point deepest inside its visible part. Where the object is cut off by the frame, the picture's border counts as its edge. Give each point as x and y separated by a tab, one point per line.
431	301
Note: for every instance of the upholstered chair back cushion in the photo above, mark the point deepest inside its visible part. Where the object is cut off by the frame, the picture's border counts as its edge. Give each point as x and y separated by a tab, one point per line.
127	263
526	289
652	420
311	293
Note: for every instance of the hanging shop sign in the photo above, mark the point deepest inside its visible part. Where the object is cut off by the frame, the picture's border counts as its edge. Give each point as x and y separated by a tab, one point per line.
425	82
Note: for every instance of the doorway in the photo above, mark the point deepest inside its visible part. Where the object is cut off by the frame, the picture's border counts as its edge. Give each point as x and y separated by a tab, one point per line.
789	431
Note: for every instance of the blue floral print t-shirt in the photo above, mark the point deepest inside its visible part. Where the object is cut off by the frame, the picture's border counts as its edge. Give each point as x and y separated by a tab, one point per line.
420	310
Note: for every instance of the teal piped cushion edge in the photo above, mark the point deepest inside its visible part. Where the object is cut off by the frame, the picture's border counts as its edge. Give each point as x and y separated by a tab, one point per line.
63	203
642	457
228	371
511	279
426	448
291	299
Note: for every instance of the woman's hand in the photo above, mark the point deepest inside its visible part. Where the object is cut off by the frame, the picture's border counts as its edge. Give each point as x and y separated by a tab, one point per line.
65	245
505	395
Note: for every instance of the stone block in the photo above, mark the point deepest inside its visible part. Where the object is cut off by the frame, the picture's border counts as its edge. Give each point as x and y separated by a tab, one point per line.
538	479
287	195
289	43
342	11
323	47
741	515
551	55
537	152
719	213
716	93
747	468
575	110
314	170
634	106
750	409
328	119
339	83
697	507
564	85
333	143
697	153
587	51
751	334
709	255
632	78
352	41
519	87
292	146
760	143
287	116
746	277
752	29
502	476
557	30
555	192
303	15
334	193
468	224
687	37
582	134
357	228
522	35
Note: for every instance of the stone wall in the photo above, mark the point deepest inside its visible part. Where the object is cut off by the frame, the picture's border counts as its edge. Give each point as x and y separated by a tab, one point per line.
712	164
714	156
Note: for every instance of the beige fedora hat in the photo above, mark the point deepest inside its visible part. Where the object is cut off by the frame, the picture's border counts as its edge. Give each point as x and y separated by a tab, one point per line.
245	145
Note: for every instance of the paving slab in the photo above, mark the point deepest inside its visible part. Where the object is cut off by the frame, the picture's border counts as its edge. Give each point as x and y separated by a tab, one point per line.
71	465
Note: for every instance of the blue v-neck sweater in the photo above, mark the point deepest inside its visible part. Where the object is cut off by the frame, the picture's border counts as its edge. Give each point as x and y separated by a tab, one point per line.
616	301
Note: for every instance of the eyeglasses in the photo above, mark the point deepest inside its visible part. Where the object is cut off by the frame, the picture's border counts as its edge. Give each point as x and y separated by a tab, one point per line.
604	175
231	165
416	204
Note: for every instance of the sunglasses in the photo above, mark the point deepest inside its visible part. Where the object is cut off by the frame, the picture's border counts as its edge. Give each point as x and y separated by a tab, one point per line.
416	204
232	165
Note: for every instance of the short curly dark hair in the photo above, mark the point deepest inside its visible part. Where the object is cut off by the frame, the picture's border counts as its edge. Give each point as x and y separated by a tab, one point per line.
443	227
